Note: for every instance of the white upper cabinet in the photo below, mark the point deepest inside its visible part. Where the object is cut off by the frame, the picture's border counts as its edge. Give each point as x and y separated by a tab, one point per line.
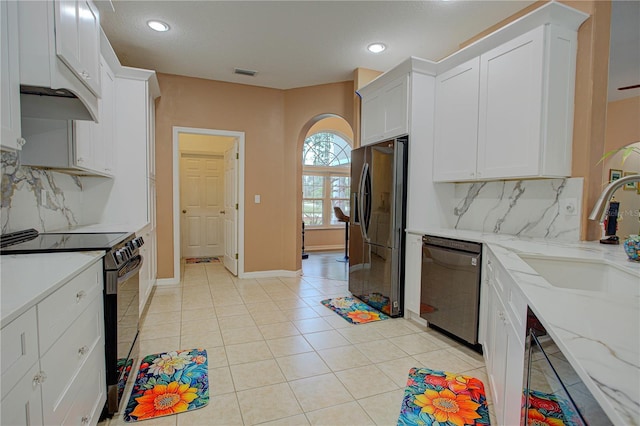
60	49
94	147
10	77
385	111
504	104
77	25
456	122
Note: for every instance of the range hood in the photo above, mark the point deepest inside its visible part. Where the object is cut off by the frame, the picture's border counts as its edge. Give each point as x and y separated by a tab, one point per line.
57	104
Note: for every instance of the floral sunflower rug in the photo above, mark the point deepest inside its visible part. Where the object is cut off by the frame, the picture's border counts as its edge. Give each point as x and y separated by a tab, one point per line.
441	398
353	310
169	383
546	408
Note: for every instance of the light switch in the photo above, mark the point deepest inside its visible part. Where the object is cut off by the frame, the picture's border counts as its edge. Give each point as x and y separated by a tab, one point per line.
256	199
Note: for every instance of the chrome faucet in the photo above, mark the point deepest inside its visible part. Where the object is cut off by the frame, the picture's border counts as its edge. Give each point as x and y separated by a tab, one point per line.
599	209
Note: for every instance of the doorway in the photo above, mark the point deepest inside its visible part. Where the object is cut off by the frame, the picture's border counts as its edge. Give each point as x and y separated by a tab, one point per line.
208	181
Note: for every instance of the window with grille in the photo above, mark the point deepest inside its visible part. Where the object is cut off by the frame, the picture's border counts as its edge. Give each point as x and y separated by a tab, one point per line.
326	166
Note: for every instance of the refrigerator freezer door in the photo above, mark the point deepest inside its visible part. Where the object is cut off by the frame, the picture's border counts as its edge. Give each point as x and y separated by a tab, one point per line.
381	195
375	281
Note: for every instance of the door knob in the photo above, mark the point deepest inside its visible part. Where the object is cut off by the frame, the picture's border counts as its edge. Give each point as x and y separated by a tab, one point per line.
184	211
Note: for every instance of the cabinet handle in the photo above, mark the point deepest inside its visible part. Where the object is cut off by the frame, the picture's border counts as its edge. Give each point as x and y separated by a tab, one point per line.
21	142
80	295
39	378
83	350
84	420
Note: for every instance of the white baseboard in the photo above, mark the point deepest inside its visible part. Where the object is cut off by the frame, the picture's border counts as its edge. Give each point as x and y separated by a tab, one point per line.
167	281
272	274
324	248
410	315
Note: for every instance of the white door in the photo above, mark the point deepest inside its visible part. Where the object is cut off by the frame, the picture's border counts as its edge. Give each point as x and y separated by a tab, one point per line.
231	208
201	205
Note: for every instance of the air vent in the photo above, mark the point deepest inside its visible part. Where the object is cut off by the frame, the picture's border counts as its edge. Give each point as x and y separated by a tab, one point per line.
240	71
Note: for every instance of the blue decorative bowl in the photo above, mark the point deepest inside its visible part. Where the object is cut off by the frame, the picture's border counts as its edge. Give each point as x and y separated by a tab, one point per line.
632	247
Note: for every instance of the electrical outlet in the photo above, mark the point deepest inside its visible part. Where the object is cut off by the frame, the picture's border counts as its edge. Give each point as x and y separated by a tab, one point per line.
568	206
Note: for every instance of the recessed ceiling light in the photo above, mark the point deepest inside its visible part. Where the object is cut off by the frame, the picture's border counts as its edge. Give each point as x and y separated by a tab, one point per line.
376	47
158	26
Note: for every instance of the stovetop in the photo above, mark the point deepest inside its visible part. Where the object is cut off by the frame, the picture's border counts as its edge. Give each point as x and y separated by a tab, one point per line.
32	242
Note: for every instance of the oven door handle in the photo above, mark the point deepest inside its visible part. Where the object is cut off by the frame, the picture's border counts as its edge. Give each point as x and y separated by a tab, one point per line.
134	271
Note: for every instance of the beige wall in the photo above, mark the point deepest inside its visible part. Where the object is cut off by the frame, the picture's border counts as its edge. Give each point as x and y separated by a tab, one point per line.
623	123
204	143
303	108
274	121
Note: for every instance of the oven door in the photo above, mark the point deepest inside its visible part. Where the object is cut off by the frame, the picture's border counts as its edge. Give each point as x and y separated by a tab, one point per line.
121	328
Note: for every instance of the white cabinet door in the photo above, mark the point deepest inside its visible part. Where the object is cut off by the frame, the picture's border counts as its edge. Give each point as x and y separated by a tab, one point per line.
396	107
511	89
77	34
10	138
94	146
89	44
385	112
23	405
412	278
456	123
372	118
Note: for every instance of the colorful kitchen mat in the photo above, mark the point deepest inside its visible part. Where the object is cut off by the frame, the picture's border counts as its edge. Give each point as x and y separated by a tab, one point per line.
126	364
439	397
169	383
202	260
546	408
354	310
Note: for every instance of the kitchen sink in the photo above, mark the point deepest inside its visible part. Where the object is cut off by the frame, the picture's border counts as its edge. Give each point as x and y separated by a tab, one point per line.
581	274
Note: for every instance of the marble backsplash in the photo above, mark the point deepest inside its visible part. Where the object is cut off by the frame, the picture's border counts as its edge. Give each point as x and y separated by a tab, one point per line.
37	198
544	208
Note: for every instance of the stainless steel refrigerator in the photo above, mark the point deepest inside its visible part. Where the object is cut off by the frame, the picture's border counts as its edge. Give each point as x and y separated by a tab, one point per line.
377	221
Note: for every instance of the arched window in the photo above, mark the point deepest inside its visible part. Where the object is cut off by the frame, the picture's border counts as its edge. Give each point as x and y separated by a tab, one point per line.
326	166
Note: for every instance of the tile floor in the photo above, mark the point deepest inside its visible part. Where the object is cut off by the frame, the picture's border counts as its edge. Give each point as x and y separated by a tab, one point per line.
278	357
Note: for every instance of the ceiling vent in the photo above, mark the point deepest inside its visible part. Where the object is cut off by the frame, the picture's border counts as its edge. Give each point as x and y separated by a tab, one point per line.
240	71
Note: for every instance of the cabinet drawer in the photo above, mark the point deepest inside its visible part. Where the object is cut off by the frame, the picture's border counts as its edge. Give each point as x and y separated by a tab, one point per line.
67	357
87	393
58	311
23	406
19	342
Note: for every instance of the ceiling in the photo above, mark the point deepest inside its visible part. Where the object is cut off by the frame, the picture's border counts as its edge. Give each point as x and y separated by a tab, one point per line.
303	43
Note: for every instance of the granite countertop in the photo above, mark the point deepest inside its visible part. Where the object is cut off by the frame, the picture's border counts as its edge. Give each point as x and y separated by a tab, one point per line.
26	279
598	332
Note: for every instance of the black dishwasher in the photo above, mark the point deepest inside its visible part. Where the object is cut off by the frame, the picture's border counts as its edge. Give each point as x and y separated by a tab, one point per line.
450	286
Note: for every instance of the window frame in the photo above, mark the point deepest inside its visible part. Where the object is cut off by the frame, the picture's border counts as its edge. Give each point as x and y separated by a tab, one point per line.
327	172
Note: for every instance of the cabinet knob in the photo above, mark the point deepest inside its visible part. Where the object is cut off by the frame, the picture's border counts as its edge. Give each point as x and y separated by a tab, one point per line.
80	295
83	350
21	142
221	211
80	160
84	420
39	378
184	211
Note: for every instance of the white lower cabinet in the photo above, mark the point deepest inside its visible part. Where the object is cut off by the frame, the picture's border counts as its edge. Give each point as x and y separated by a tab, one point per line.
53	366
412	275
503	343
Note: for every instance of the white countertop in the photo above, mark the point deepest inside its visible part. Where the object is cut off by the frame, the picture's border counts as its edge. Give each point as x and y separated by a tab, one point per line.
105	227
26	279
599	333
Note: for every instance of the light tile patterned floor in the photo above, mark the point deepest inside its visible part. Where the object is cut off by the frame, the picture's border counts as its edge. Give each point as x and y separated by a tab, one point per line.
278	357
